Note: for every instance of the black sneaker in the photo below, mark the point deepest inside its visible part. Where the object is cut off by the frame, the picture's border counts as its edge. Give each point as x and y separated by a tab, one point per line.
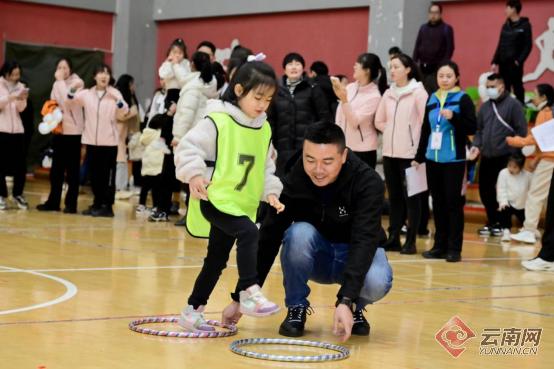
393	244
409	249
21	202
47	207
89	210
485	231
174	210
158	216
293	325
104	211
453	257
496	230
67	210
361	325
434	253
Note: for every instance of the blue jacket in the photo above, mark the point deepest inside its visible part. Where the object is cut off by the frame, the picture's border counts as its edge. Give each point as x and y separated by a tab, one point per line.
454	131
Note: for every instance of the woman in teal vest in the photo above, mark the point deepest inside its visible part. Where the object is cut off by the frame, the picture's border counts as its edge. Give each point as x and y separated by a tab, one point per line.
228	161
449	119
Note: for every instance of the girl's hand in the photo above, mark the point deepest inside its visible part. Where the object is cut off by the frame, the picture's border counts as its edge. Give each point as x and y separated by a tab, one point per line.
231	314
447	114
414	163
273	200
59	75
198	189
174	143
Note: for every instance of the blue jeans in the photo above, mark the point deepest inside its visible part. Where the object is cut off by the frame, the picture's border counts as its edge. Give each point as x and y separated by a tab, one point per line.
307	255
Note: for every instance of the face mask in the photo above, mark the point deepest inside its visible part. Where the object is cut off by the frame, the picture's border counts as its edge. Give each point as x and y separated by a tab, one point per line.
493	93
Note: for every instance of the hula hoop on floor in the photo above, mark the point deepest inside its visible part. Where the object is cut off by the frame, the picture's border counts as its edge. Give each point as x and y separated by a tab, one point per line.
135	325
343	352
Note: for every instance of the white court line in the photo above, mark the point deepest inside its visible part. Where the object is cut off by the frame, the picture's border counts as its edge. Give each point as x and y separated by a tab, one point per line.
13	270
71	290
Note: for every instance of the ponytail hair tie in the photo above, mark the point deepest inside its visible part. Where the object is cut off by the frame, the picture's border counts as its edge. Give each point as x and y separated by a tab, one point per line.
258	57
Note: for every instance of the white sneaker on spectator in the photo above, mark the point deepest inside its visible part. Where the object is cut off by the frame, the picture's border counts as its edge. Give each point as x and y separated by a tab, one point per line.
524	236
21	202
538	265
506	235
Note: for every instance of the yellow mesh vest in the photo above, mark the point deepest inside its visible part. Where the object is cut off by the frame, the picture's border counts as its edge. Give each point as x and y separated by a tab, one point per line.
237	183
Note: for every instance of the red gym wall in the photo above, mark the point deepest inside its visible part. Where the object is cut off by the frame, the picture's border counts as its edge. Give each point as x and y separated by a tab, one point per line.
52	25
477	27
335	36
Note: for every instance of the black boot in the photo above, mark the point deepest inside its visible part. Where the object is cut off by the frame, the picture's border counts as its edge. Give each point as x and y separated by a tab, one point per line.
453	257
434	253
392	244
361	325
293	325
104	211
409	248
47	207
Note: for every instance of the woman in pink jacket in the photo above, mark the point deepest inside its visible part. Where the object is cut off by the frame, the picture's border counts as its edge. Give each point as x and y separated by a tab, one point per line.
102	105
13	100
67	146
400	117
358	104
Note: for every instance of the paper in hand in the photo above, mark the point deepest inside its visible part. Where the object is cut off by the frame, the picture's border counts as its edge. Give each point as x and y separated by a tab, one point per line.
416	179
544	135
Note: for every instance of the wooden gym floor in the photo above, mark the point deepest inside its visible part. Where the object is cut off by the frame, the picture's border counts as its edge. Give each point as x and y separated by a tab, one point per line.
69	285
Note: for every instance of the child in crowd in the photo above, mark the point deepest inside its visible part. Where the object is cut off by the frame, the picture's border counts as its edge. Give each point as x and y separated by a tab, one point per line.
511	191
227	161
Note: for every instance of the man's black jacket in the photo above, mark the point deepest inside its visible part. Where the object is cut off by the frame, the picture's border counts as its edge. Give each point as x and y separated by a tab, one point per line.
347	211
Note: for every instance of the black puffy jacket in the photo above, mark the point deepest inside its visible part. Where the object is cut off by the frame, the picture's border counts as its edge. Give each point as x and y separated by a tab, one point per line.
515	42
290	115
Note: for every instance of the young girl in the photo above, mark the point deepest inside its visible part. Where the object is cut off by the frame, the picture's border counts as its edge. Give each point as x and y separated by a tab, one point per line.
102	104
400	117
174	70
511	191
126	125
358	104
13	100
152	160
228	152
67	146
450	113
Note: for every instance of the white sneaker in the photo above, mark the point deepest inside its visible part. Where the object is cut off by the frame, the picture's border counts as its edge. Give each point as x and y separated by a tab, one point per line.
3	203
538	265
524	236
141	209
254	303
123	195
193	320
506	235
21	202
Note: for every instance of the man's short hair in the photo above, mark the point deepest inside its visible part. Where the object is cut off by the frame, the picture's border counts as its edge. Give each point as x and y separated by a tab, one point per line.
320	68
208	44
437	5
495	77
516	4
326	133
290	57
395	50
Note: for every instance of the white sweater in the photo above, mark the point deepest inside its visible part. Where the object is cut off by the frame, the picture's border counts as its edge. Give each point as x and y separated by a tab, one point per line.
512	189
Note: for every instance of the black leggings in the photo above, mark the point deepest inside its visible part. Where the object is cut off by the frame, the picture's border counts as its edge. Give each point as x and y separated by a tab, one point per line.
12	162
488	175
368	157
400	203
547	249
505	216
102	161
65	165
225	229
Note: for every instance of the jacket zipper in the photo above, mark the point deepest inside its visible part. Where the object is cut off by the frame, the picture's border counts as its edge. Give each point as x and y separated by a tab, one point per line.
411	136
98	116
393	127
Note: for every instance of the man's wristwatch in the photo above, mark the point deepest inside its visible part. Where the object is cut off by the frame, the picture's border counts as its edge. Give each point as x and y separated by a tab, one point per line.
344	301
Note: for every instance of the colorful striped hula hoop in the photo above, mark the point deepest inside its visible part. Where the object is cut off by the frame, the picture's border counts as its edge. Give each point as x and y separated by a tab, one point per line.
135	325
343	352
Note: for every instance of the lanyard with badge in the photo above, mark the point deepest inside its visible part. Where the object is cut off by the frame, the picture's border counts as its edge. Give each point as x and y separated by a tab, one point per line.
436	137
